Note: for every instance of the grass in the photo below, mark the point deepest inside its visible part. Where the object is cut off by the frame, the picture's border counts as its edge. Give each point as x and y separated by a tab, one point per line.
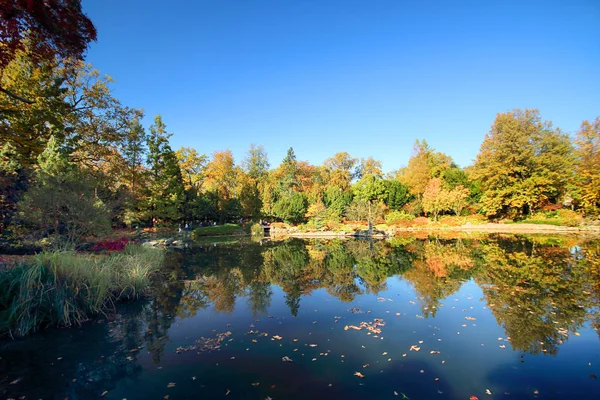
64	288
218	230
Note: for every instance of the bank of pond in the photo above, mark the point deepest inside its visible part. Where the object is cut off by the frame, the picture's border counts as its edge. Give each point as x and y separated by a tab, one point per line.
435	316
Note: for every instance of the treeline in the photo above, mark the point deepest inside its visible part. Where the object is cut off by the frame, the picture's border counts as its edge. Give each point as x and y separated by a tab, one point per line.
74	161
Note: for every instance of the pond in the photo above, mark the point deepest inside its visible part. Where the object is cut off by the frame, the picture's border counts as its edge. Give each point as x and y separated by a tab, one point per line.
494	317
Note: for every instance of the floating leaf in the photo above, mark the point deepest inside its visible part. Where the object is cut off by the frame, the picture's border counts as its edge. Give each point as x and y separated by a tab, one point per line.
359	374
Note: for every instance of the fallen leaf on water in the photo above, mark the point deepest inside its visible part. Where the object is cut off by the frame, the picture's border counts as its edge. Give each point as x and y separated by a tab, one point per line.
359	374
312	345
277	337
286	359
255	383
228	391
166	397
536	391
414	347
502	346
576	333
384	353
434	352
473	398
314	359
487	391
395	393
171	384
470	318
104	393
15	381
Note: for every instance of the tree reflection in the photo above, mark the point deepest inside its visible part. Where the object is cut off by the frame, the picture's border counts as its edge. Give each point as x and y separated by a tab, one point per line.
538	293
540	290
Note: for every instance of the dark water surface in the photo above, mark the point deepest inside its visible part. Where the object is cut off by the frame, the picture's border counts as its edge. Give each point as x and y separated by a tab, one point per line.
429	318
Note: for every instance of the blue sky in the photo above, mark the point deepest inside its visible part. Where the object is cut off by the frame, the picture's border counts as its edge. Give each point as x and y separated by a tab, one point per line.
366	77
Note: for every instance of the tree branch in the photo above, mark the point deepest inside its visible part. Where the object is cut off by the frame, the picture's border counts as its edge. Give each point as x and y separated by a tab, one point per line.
15	96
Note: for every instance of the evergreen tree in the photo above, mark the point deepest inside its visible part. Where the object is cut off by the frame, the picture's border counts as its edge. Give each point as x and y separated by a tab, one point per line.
165	195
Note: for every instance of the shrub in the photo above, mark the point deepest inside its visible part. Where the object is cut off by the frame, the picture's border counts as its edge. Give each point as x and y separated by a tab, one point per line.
257	229
397	216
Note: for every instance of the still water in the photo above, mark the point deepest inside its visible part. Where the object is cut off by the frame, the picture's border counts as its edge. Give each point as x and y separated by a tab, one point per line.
496	317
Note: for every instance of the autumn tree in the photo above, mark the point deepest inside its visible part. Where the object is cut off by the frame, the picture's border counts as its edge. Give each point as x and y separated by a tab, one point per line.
221	177
587	166
28	126
368	166
256	164
341	169
45	29
423	165
193	167
523	164
434	198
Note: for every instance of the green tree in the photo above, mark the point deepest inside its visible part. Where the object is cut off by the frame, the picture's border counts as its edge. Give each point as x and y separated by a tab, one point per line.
523	164
371	190
165	194
397	194
291	208
289	168
62	200
13	182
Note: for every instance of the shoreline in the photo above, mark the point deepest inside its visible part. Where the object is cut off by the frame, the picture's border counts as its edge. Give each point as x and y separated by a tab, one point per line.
469	228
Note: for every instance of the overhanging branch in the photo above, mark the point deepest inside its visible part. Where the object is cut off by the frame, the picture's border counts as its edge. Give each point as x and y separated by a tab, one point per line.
15	96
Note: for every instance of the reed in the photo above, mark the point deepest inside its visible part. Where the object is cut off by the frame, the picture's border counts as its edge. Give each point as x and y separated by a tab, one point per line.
64	288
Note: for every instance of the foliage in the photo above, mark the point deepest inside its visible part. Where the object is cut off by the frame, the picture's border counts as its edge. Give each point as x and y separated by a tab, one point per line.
165	195
256	163
423	165
397	216
559	218
523	164
62	199
361	210
291	208
66	288
53	27
397	194
257	229
587	166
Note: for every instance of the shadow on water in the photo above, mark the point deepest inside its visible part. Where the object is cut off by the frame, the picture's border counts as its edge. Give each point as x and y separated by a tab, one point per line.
537	294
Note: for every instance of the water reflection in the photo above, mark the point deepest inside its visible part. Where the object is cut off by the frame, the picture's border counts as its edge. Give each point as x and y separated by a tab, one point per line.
540	291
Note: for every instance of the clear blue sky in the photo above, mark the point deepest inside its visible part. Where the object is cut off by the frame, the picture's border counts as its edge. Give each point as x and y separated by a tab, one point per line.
366	77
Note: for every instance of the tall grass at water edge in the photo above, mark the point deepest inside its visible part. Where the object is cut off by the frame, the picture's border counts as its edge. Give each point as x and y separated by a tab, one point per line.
63	288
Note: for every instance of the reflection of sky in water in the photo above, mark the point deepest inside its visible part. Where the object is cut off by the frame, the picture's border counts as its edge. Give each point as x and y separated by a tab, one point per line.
470	358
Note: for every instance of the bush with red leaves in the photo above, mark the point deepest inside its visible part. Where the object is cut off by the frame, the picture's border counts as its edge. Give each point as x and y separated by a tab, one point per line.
111	245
